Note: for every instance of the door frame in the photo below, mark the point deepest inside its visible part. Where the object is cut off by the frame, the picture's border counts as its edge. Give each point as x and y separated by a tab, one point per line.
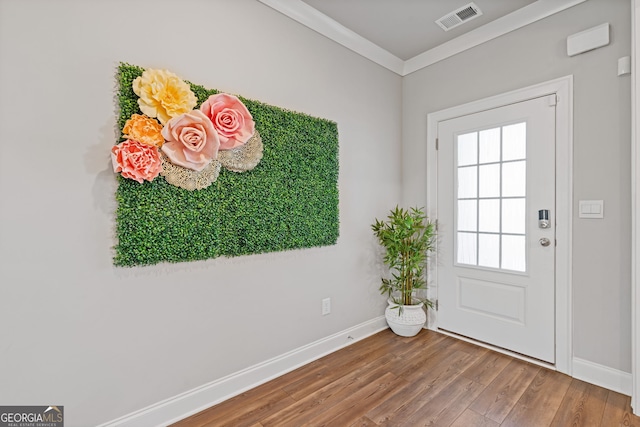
563	88
635	206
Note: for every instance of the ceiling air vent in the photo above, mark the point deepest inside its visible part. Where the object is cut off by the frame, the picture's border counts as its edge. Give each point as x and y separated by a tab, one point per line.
459	16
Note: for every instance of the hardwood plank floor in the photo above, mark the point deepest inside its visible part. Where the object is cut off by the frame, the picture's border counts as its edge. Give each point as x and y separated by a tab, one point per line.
427	380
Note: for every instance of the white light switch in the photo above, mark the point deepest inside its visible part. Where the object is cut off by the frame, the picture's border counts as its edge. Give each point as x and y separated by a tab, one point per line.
591	209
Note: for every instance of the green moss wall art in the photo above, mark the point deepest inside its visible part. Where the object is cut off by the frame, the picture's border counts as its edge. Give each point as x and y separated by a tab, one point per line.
203	174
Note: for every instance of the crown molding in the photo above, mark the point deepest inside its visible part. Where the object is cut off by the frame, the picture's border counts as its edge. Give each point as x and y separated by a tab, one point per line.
312	18
321	23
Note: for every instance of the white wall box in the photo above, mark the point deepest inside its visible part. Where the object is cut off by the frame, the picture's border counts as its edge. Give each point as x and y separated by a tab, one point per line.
587	40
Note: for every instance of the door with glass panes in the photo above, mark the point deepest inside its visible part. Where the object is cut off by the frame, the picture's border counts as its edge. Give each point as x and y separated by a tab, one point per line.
495	261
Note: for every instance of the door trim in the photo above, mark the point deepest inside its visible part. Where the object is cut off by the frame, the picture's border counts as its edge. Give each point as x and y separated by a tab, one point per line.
635	206
563	88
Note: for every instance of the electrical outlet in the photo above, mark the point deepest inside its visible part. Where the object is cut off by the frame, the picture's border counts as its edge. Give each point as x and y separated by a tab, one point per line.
326	306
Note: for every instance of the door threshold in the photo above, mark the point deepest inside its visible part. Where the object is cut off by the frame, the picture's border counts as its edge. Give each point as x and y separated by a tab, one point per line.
501	350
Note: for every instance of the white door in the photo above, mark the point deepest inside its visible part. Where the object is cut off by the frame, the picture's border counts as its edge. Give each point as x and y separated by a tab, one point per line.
495	265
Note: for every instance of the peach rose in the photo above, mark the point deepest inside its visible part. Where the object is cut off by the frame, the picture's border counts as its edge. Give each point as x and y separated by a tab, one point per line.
192	142
163	94
143	129
136	160
230	117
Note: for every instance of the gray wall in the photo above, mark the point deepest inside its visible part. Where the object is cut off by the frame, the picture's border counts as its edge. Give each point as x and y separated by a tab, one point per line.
602	112
106	341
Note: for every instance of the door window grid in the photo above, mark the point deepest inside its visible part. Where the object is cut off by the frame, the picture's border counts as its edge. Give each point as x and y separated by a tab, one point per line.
491	199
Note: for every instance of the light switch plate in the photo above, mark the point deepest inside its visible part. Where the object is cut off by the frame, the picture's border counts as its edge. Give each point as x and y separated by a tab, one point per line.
591	209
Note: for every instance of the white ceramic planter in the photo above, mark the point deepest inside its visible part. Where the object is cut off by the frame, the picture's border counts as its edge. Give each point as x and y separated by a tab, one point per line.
407	324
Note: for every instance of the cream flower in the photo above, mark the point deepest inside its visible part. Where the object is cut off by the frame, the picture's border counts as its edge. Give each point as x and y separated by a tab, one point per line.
163	94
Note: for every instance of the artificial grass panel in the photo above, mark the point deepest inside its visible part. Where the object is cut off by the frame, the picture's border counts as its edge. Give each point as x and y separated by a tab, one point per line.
288	201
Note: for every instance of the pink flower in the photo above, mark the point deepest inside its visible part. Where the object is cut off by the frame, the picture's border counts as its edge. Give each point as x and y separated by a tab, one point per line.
192	141
136	160
230	117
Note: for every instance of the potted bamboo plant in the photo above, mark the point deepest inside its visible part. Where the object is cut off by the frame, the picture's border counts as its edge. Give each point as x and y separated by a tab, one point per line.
407	237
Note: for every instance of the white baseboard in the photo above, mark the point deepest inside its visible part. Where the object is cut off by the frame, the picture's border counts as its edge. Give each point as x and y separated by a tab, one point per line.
603	376
193	401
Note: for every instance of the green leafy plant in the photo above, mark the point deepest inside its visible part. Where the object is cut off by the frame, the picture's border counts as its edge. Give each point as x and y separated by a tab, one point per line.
289	201
407	237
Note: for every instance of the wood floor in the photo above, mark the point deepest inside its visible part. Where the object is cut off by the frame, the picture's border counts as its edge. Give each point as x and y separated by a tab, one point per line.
427	380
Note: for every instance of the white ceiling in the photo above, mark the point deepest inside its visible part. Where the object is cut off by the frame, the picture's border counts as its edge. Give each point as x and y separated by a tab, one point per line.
402	35
407	28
